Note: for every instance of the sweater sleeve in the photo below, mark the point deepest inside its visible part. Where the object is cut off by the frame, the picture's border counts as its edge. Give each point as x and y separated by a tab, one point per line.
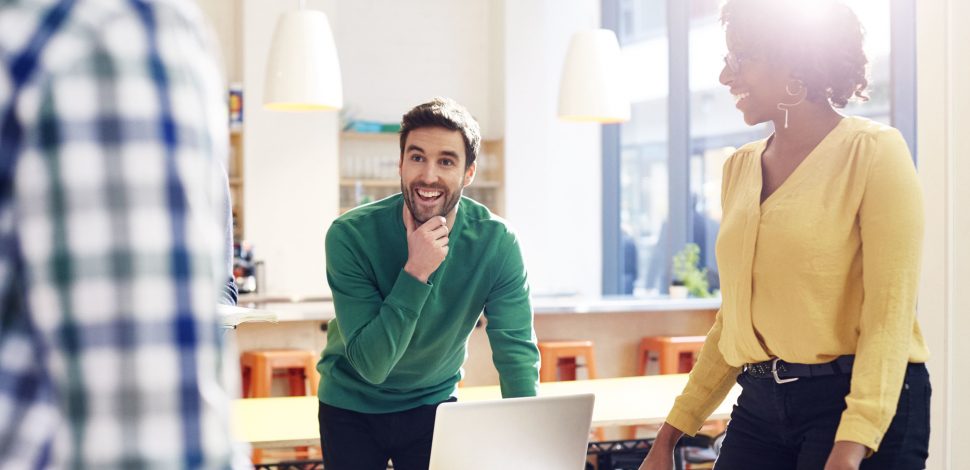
710	381
510	330
711	377
891	228
376	330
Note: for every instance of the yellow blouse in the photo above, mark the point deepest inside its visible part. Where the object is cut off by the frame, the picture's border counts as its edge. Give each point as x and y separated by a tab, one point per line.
828	265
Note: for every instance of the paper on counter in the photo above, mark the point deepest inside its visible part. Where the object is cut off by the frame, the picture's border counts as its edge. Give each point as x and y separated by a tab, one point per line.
232	315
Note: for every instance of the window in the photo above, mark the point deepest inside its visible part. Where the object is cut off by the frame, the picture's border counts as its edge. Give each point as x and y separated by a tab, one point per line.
662	169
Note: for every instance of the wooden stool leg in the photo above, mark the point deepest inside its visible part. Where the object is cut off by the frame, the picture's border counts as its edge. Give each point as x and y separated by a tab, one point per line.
642	360
669	361
312	376
262	378
548	368
590	364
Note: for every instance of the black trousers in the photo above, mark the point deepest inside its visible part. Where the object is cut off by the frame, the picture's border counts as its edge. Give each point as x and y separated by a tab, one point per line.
792	426
364	441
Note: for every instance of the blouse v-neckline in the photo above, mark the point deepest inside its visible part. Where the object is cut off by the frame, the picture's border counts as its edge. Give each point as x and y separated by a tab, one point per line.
794	177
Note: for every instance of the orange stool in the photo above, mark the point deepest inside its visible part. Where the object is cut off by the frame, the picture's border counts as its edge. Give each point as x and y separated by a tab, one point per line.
300	369
559	359
559	364
676	354
258	367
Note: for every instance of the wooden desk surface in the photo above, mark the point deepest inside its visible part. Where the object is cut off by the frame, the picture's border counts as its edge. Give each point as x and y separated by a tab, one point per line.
292	421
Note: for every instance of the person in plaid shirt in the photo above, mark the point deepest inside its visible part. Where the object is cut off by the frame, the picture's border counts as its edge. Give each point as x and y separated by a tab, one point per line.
112	224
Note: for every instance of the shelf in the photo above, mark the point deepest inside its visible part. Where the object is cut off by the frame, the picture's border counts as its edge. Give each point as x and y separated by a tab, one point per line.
369	135
234	167
371	183
385	136
381	183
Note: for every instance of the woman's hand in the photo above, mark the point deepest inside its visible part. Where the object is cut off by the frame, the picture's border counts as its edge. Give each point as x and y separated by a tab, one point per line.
846	455
658	459
661	454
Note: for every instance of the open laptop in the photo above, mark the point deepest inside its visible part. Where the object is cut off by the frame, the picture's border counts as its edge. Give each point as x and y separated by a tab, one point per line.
540	433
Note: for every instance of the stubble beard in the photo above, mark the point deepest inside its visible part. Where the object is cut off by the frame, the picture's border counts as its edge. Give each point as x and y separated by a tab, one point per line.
450	201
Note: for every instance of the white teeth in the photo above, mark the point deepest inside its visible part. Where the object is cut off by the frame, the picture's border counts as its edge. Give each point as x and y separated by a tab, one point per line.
429	194
741	96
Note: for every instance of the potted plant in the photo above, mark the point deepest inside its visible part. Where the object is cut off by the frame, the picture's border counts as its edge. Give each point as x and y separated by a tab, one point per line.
688	280
677	289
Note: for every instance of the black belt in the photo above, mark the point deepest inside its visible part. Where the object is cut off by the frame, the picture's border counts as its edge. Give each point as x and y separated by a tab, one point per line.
784	372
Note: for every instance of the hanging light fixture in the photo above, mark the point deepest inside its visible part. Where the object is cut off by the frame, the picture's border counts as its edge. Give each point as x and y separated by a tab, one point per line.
303	73
591	88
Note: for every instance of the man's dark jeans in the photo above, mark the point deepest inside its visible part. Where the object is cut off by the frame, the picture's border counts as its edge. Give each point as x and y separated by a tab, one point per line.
364	441
792	425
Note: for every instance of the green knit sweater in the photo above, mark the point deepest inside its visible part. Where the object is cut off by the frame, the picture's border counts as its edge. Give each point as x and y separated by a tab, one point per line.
397	343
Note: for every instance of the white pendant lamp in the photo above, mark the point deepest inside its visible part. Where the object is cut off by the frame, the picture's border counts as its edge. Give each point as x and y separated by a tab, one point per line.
591	88
303	73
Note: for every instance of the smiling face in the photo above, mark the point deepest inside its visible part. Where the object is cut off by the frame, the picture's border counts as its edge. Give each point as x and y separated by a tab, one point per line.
433	172
819	42
757	85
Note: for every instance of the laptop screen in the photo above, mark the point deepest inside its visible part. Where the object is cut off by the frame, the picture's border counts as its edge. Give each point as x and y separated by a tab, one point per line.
537	433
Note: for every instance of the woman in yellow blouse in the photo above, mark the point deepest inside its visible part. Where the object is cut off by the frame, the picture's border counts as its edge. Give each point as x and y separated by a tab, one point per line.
819	253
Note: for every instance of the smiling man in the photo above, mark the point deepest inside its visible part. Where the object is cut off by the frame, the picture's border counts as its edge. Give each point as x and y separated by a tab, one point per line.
410	276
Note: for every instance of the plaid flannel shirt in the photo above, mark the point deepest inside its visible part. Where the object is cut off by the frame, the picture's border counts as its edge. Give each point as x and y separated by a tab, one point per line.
112	213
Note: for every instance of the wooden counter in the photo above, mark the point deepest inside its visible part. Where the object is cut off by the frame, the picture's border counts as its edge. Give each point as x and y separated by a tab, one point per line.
292	421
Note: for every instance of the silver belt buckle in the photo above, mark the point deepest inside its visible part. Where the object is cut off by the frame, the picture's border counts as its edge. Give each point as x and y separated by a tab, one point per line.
774	372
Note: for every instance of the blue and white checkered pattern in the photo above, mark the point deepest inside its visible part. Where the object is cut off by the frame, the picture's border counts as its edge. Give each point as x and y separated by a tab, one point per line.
112	202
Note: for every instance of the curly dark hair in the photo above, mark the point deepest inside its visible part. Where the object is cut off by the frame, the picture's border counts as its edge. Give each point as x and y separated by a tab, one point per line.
446	113
821	46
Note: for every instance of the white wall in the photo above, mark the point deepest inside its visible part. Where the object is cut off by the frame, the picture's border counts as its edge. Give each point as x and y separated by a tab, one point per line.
943	114
396	55
553	168
225	17
495	127
291	187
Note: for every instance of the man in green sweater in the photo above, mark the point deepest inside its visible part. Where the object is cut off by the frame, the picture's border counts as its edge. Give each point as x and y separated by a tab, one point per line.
410	275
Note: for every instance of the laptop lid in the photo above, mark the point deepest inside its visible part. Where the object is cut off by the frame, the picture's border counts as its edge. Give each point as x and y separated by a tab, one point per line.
537	433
